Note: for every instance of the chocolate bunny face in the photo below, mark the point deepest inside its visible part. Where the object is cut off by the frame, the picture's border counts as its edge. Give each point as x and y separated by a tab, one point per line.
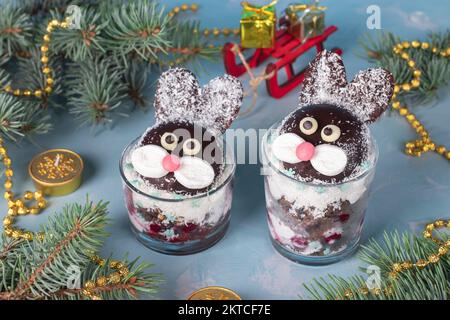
327	138
180	152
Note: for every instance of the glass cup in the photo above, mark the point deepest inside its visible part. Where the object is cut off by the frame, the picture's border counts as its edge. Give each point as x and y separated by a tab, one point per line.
312	223
174	224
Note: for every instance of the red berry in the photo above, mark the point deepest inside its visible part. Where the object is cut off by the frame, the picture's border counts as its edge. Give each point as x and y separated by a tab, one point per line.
154	228
332	238
299	241
189	227
343	217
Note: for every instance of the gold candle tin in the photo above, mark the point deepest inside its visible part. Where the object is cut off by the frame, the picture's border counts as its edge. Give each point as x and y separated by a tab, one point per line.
56	172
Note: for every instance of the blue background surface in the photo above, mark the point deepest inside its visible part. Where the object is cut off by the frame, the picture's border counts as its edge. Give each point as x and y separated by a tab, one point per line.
407	192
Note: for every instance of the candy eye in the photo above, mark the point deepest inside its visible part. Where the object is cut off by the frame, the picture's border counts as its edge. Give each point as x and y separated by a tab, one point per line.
169	141
191	147
308	125
330	133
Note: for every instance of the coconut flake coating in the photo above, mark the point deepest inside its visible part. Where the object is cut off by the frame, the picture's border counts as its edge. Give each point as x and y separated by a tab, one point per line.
367	96
215	106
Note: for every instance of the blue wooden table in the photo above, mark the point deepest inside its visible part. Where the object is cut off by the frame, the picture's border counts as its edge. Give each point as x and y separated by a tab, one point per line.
407	191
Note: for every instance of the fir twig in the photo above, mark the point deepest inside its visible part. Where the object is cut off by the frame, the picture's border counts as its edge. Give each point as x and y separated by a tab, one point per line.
81	232
83	43
43	269
43	7
139	27
19	118
95	90
187	46
435	69
136	81
15	30
431	283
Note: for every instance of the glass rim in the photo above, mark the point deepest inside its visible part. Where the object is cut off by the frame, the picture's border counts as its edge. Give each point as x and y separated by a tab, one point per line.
360	176
210	192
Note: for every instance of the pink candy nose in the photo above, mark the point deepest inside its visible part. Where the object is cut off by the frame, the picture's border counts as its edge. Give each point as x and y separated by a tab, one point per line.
305	151
171	163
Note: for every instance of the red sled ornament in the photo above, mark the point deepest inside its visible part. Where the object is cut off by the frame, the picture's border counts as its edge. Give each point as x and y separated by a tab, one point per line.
286	51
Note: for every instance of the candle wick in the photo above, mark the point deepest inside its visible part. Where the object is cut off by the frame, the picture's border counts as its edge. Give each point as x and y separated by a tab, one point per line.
57	160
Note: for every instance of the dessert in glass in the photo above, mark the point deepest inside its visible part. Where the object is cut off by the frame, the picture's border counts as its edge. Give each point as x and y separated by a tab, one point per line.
178	176
319	162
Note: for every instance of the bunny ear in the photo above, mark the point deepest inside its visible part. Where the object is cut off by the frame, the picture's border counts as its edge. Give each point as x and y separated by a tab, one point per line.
369	93
324	79
177	95
221	101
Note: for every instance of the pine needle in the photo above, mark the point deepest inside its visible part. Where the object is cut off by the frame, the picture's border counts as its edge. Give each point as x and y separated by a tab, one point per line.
45	269
431	283
435	69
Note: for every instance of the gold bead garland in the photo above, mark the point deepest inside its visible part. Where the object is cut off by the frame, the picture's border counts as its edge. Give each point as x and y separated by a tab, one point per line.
46	69
424	143
91	287
216	32
432	258
184	7
399	267
17	205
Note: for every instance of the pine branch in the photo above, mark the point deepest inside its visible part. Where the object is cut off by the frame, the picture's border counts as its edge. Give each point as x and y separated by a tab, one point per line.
19	117
35	120
41	269
139	27
95	90
8	246
11	115
43	7
137	283
435	69
7	270
83	43
4	58
15	30
135	79
187	46
4	78
66	243
431	283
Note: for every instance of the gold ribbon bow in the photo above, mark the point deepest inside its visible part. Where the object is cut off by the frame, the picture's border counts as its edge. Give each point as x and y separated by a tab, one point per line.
260	10
309	7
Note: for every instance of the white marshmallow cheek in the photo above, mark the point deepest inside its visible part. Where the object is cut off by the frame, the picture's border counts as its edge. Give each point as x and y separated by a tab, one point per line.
284	147
329	160
194	173
147	161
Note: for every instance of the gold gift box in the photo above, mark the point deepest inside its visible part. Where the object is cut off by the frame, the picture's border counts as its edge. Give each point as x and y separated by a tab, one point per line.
258	26
305	21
